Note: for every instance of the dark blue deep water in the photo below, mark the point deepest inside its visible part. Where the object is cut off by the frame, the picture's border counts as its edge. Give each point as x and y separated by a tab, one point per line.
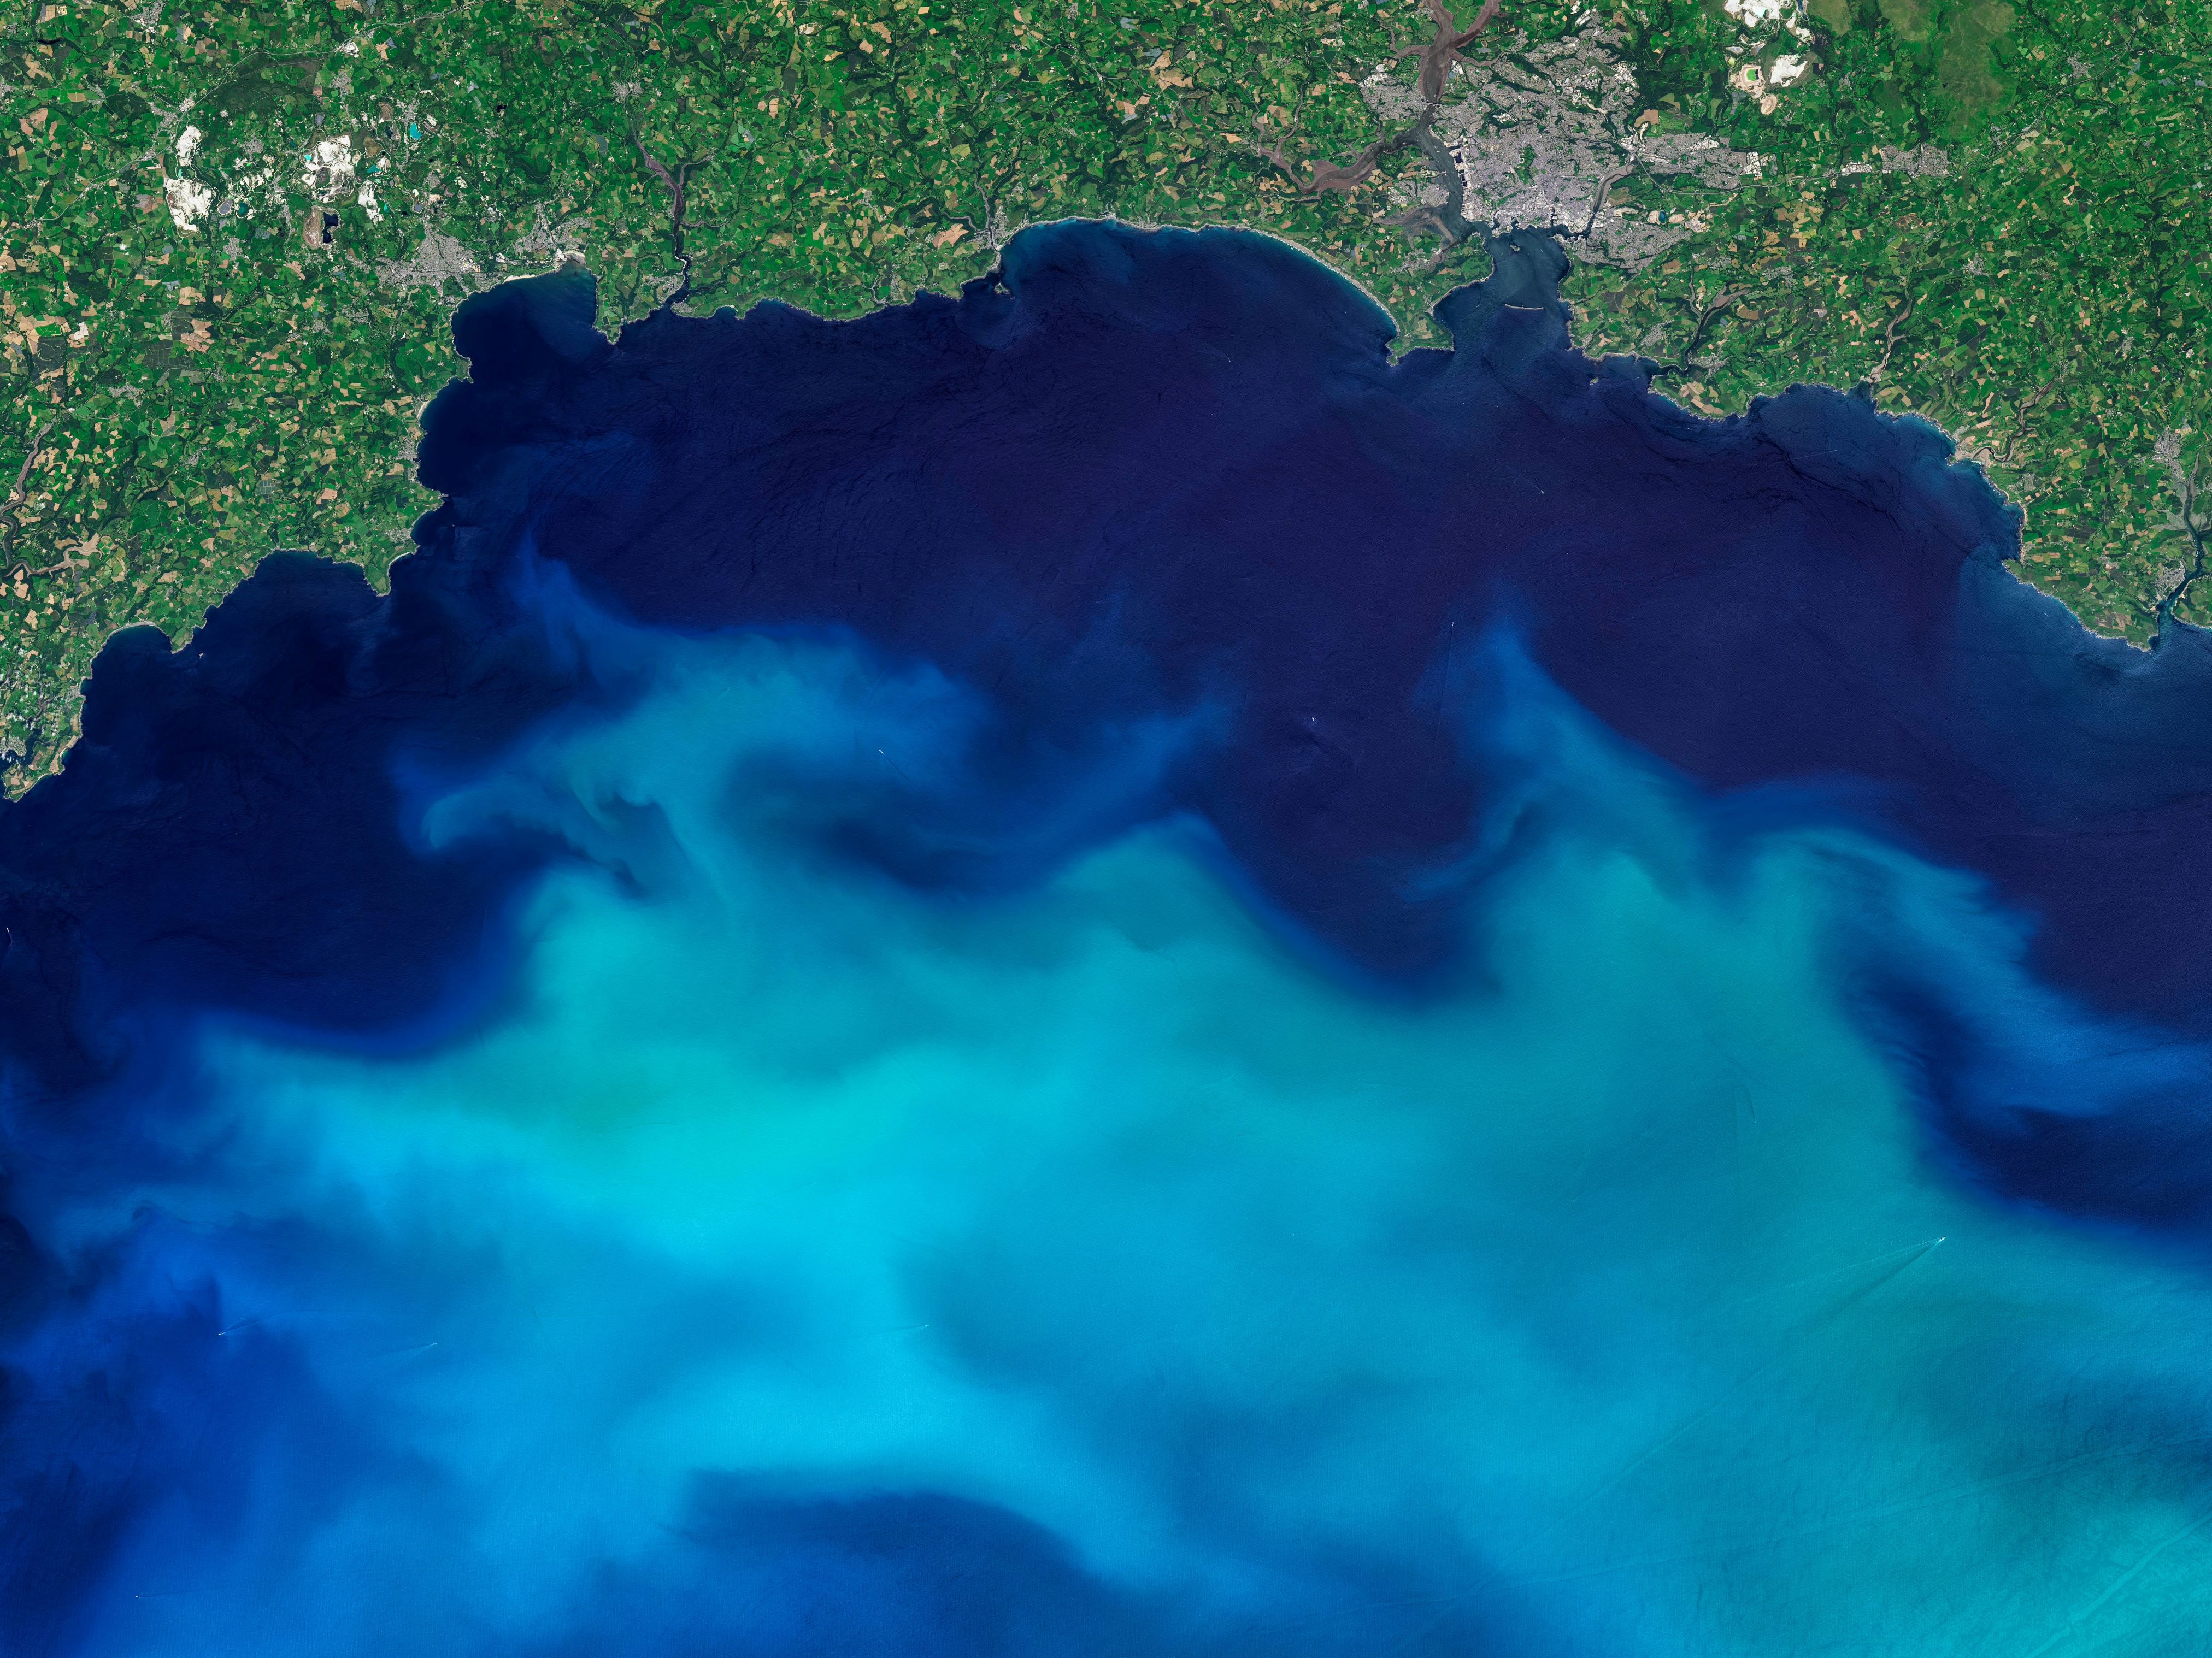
1085	970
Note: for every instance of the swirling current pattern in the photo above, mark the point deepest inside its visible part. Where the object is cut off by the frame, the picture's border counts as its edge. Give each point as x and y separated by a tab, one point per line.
1088	971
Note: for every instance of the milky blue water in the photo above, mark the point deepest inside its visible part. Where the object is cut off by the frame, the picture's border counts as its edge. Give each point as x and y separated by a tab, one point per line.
536	1130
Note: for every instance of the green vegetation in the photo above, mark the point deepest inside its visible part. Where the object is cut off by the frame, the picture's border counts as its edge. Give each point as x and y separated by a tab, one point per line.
230	238
2044	299
181	400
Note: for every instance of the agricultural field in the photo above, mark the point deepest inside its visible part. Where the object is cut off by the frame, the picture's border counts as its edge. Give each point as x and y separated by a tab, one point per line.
231	238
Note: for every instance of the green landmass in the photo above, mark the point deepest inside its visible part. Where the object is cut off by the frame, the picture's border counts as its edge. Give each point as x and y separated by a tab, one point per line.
2044	299
231	237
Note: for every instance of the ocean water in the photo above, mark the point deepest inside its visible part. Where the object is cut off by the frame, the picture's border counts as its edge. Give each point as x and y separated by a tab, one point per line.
889	1008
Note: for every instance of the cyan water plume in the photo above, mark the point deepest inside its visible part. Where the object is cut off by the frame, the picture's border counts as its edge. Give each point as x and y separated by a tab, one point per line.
801	1263
1175	987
